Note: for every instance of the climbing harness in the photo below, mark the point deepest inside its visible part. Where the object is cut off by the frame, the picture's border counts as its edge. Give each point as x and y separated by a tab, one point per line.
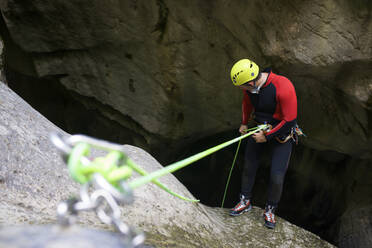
296	132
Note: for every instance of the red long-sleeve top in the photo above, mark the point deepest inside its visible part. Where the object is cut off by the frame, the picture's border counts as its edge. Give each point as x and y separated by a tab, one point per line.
275	104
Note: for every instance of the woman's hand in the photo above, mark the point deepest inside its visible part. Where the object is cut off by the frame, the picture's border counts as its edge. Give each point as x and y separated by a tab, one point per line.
259	137
243	129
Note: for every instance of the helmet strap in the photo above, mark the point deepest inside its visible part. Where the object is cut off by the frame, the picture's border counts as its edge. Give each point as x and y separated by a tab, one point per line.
257	78
256	89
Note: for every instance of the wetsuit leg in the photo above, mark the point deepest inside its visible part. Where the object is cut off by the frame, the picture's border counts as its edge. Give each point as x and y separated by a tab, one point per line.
251	162
281	154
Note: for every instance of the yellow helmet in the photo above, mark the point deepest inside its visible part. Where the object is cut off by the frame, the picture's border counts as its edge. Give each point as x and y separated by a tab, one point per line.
244	71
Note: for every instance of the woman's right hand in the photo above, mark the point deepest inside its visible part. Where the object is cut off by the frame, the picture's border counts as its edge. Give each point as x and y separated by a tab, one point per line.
243	129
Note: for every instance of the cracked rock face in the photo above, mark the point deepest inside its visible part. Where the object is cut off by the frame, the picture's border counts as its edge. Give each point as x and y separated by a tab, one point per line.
168	70
136	58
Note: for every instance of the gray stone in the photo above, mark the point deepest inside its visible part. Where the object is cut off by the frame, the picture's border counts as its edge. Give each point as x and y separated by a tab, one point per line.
55	236
355	228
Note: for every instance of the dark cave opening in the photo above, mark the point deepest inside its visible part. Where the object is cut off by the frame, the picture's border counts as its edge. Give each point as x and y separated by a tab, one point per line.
62	107
313	194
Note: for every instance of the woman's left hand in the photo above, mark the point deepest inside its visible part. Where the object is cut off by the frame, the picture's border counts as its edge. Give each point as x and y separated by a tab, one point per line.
259	137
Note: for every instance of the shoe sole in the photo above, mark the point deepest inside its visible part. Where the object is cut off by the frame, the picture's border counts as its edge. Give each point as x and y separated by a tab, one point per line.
268	226
242	212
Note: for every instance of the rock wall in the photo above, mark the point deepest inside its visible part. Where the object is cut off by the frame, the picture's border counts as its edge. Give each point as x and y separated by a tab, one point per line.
356	233
166	65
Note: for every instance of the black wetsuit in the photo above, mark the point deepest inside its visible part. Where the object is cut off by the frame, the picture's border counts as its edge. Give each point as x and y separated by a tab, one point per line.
275	104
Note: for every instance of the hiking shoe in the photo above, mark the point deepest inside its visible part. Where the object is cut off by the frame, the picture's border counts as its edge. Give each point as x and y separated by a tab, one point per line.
244	205
269	216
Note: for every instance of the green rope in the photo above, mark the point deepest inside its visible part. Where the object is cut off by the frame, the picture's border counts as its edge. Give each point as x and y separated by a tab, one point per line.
117	166
142	172
228	178
180	164
232	167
